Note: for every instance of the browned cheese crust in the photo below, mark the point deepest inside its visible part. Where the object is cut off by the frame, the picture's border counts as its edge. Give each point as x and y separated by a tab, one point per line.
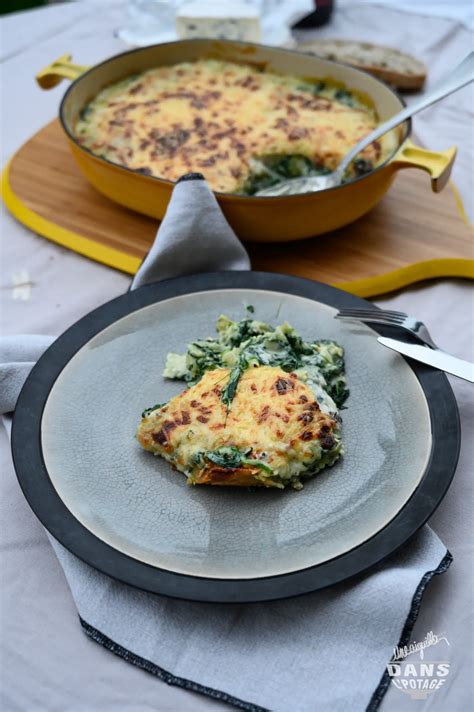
273	412
217	117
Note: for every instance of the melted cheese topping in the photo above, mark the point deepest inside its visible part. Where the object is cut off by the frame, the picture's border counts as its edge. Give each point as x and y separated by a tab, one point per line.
273	418
218	117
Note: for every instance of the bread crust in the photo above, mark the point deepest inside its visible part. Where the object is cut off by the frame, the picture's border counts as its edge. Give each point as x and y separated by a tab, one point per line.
346	51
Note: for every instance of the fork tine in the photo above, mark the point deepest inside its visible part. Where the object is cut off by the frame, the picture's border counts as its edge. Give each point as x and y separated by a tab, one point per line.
393	312
358	312
371	316
372	320
380	312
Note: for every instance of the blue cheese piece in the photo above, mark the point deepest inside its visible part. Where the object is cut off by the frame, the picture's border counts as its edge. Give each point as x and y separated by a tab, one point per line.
229	21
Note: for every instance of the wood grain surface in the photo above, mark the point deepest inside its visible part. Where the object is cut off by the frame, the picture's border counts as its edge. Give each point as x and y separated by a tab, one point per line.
411	235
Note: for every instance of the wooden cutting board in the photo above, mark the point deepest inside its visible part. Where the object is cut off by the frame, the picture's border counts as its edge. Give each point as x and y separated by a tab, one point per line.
411	235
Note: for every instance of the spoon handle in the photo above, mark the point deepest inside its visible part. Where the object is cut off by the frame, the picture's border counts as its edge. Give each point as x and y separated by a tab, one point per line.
458	78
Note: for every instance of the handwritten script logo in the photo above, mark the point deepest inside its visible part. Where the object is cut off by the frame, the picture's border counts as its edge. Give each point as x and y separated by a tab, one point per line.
418	676
429	640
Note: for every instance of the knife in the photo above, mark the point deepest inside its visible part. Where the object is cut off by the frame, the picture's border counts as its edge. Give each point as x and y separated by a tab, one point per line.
433	357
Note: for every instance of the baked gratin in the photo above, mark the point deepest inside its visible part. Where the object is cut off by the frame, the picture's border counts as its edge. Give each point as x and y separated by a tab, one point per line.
261	410
244	129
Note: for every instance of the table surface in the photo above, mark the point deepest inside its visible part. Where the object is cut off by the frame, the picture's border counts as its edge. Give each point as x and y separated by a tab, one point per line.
47	662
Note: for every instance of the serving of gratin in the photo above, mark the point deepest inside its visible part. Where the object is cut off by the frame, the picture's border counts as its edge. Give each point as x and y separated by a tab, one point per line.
261	410
243	128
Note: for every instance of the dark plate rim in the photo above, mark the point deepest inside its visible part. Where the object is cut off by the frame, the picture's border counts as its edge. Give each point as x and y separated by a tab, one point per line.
61	523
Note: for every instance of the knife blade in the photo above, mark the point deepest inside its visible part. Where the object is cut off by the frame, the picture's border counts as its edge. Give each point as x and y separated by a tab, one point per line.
432	357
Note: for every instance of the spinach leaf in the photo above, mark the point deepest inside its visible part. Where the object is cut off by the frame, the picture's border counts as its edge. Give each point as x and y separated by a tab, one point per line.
344	97
362	166
147	411
203	355
298	345
244	331
338	392
255	182
274	168
319	87
230	389
248	342
85	112
232	458
257	463
314	87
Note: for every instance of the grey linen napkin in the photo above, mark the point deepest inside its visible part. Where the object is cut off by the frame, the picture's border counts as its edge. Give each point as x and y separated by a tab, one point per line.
194	237
303	654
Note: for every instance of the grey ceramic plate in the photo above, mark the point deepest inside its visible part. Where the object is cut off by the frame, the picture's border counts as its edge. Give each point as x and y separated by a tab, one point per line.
211	543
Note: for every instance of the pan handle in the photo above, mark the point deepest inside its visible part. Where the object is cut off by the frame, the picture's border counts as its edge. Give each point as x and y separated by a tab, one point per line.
437	163
58	70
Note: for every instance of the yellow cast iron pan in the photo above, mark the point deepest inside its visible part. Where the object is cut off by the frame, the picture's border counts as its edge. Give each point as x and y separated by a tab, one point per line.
271	219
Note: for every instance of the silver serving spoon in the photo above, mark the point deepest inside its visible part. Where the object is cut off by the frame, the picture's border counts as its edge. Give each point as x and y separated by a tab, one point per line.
458	78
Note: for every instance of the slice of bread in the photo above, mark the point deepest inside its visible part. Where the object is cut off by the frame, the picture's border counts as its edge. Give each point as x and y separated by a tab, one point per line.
397	68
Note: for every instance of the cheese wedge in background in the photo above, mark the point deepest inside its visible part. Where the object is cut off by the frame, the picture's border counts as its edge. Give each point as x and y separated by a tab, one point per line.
230	21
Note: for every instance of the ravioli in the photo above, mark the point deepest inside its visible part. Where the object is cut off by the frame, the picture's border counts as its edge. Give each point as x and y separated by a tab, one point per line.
272	434
244	129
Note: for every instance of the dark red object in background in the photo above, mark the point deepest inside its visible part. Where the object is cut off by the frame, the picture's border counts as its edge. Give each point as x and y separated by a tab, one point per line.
319	17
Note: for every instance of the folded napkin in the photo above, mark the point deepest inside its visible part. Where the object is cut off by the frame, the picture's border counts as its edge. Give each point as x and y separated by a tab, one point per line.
323	651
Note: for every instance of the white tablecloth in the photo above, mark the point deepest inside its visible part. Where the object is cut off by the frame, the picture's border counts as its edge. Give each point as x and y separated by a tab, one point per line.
47	662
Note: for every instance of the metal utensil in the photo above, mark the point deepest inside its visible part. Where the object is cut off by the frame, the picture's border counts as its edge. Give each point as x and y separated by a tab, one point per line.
432	357
390	318
458	78
428	353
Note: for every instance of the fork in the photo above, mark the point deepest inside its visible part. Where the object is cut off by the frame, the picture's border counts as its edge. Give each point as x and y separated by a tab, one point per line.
390	318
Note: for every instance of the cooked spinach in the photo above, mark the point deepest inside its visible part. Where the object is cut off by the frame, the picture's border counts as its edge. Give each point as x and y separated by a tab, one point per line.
242	332
314	87
332	367
130	79
271	352
147	411
85	112
270	170
289	166
256	182
232	458
344	97
362	166
203	355
230	389
338	391
248	342
297	344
